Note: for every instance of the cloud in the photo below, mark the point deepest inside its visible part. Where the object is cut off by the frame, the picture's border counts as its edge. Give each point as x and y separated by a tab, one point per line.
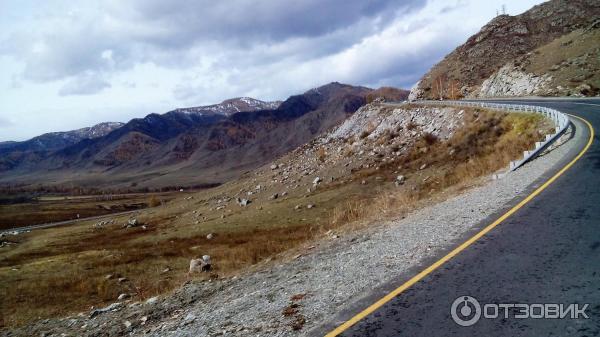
458	4
247	22
182	33
86	84
398	54
160	55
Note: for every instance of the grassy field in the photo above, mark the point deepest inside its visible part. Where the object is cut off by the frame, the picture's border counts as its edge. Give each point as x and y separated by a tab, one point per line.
68	269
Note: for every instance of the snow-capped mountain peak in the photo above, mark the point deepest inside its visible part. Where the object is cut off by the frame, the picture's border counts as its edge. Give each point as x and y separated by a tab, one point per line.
231	106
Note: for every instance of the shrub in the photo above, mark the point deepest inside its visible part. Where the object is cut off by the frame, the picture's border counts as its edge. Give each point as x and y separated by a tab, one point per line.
321	154
430	138
154	201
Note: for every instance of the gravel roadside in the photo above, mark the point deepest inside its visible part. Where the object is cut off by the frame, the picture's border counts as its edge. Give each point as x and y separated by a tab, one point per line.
315	287
295	298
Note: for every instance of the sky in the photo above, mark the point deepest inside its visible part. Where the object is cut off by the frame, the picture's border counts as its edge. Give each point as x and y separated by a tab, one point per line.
71	64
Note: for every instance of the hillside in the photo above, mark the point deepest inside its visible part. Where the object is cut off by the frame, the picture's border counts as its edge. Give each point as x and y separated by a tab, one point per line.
517	56
379	163
195	146
13	154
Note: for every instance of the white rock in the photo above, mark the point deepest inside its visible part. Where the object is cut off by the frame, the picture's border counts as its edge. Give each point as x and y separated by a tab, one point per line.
123	296
243	202
510	81
152	300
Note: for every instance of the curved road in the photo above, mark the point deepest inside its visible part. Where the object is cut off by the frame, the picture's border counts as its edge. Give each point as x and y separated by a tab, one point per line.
65	222
548	251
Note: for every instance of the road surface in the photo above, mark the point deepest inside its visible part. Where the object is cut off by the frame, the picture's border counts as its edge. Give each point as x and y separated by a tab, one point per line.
547	252
63	223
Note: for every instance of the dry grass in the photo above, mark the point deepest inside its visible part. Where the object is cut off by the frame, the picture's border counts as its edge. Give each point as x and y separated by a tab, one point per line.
35	290
64	269
60	208
154	201
321	154
368	130
487	143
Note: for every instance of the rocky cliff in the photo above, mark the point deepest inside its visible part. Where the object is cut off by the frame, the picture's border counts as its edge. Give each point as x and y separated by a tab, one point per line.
552	49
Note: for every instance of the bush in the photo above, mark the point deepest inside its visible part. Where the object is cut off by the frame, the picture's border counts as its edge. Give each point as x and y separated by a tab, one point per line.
321	154
154	201
430	138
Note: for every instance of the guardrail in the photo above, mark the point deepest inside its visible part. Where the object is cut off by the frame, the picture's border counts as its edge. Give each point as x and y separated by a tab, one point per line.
560	120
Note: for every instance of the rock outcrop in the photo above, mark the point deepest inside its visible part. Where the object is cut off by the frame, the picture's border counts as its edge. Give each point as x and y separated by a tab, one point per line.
511	81
497	60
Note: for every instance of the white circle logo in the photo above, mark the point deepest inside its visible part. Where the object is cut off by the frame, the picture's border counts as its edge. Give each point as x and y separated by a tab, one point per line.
465	311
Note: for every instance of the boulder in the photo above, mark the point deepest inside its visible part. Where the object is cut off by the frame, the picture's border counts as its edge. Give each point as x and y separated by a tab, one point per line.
195	266
400	179
200	265
123	296
152	300
132	223
113	307
243	202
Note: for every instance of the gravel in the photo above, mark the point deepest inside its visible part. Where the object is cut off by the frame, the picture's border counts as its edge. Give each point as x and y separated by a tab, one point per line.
292	298
342	271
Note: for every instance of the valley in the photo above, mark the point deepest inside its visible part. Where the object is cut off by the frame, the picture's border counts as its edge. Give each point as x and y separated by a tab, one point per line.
382	162
25	210
320	208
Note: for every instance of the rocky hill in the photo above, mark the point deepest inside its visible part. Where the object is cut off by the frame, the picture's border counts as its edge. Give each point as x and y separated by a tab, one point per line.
264	231
196	146
552	49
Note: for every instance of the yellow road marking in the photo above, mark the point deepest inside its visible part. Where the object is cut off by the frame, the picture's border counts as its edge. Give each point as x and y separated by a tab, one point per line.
464	245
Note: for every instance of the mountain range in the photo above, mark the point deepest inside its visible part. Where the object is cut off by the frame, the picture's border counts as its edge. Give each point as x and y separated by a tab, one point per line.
197	146
553	49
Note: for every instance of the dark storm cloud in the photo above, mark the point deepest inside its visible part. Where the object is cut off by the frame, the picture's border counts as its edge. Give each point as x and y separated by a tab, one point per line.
180	33
404	71
247	22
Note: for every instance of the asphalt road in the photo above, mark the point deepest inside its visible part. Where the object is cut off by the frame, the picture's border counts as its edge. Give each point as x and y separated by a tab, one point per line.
63	223
546	252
